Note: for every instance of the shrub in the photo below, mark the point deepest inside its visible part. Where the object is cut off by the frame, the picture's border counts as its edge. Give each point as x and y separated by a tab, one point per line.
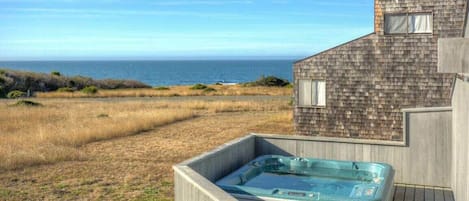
90	90
269	81
218	83
2	72
161	88
27	103
102	116
2	92
209	89
65	89
2	80
291	101
199	87
71	83
289	85
16	94
56	73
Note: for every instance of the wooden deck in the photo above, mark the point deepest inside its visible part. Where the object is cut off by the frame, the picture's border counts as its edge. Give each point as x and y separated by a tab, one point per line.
421	193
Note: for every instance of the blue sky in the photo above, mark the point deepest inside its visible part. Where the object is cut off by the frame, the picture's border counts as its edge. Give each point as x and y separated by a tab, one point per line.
177	29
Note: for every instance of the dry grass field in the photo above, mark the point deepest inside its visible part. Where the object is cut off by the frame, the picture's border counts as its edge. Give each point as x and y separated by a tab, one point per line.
80	149
220	90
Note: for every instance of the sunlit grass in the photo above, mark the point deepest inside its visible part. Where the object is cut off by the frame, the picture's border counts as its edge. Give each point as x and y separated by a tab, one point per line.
52	132
220	90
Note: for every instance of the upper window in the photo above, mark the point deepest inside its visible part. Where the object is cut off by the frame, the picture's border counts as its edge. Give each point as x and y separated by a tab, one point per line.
312	93
408	23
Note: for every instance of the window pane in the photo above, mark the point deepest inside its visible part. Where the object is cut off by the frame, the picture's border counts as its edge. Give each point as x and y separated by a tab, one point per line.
321	93
395	23
314	93
420	23
304	93
467	25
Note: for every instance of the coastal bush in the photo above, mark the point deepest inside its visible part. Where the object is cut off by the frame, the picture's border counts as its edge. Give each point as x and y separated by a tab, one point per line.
65	89
291	101
199	86
27	103
102	116
2	72
174	94
289	85
162	88
269	81
15	94
71	83
90	90
2	92
119	84
209	89
46	82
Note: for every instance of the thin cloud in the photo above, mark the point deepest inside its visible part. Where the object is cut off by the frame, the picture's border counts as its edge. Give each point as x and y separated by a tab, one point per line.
344	3
184	3
102	12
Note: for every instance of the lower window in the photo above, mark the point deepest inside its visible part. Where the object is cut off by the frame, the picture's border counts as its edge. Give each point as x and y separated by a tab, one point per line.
312	93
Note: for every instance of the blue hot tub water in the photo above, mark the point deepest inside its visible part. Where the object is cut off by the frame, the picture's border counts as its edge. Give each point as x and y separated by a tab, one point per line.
293	178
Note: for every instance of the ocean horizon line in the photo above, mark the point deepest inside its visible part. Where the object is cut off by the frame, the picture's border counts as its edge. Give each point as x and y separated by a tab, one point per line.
163	72
166	59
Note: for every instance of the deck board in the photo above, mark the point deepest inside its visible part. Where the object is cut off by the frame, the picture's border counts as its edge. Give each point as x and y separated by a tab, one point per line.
439	195
448	195
419	193
429	194
409	193
399	193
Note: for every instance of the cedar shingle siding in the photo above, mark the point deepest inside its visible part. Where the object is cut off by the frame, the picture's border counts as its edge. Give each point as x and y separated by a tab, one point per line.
369	80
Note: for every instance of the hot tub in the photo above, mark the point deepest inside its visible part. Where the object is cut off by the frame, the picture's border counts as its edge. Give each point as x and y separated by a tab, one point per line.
274	177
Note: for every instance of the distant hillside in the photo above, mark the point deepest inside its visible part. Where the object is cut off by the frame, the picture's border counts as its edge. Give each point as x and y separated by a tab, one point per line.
20	80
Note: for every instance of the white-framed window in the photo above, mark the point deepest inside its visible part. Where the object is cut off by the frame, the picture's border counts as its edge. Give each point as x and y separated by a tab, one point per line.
312	93
408	23
395	23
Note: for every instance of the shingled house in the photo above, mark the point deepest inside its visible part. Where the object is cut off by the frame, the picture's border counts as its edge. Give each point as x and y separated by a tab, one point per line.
398	96
359	89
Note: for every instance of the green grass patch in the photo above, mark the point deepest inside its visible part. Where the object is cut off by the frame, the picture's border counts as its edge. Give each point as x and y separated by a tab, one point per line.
61	186
269	81
44	188
199	87
5	193
55	73
90	90
209	89
174	95
102	116
161	88
291	101
27	103
166	184
151	191
150	194
15	94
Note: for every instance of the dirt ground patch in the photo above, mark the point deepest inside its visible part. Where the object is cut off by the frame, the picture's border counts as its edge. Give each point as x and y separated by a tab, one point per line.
137	167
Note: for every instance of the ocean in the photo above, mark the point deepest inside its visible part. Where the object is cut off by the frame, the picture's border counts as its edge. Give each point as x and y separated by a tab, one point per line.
163	73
